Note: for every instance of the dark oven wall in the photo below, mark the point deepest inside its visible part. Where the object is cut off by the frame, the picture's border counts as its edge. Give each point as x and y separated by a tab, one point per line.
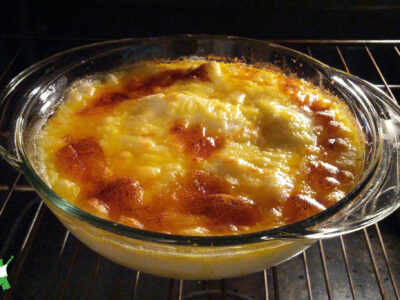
259	19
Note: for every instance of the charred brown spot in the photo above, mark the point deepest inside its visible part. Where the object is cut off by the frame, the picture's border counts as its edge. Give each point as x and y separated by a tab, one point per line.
292	88
324	117
226	209
209	195
197	140
324	169
320	104
83	160
329	183
96	206
300	206
331	128
336	144
200	73
150	217
198	183
105	100
336	129
332	136
206	183
288	85
155	83
122	195
110	99
68	160
323	176
346	176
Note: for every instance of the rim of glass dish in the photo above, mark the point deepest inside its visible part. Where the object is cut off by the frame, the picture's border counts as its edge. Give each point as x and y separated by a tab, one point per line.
290	231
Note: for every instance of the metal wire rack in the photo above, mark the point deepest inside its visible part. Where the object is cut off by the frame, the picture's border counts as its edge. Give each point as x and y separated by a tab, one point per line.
50	263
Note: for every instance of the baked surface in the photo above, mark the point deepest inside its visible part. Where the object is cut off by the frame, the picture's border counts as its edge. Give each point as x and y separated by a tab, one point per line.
201	148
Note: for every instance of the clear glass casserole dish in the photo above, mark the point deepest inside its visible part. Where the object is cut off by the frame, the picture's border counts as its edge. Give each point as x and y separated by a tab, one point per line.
33	96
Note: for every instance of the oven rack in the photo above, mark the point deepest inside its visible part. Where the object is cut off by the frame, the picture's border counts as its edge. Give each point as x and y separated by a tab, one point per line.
50	263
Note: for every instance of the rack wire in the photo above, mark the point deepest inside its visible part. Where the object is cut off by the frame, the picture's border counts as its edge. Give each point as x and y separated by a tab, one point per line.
50	263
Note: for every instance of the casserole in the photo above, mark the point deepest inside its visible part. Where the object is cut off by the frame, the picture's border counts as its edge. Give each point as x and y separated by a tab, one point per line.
200	147
40	90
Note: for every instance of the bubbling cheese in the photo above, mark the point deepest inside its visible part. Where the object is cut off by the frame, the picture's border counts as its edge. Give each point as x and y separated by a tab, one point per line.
201	147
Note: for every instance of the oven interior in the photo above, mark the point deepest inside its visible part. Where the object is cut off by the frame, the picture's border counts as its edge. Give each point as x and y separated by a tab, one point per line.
50	263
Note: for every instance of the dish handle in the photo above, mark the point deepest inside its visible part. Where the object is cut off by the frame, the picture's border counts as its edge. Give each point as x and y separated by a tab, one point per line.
379	194
8	112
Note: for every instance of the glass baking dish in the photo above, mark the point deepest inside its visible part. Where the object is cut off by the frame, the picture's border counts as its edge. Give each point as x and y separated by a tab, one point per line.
32	97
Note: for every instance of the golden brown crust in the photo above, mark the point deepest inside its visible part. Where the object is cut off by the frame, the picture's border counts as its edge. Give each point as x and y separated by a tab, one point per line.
196	139
200	197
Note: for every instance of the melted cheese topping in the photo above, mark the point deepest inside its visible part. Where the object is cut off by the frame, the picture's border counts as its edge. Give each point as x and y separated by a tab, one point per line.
201	148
